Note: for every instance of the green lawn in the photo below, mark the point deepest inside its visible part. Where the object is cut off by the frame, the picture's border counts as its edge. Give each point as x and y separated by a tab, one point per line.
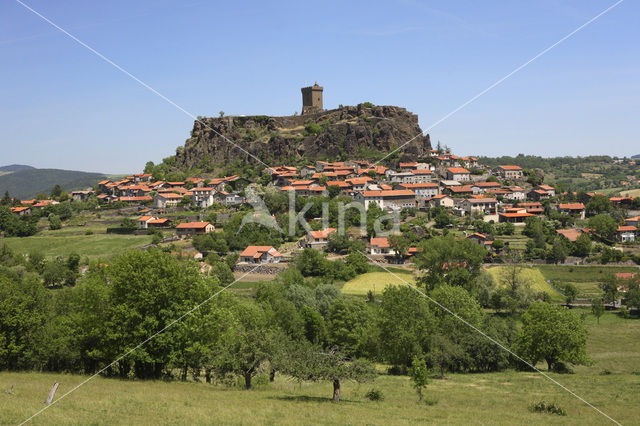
376	282
585	278
491	398
533	276
53	244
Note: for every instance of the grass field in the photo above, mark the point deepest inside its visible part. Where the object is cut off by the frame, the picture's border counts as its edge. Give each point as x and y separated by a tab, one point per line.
376	282
533	276
585	278
92	246
631	193
492	398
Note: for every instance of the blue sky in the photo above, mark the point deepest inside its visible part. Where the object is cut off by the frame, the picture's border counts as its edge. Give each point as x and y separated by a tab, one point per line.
61	106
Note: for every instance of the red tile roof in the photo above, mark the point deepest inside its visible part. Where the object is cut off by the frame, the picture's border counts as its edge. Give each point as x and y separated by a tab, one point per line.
379	241
458	170
258	251
571	206
323	233
510	167
389	193
193	225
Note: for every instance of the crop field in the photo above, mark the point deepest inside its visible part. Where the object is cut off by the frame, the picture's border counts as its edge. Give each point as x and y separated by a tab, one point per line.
533	277
491	398
376	282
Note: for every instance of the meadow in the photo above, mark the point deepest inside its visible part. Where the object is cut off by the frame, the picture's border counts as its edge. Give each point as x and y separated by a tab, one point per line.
611	383
95	246
586	278
533	277
376	282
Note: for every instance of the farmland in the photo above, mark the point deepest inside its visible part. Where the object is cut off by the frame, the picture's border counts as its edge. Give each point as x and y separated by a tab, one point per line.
533	277
376	282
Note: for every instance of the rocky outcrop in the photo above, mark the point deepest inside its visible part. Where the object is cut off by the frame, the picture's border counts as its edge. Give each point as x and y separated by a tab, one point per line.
349	133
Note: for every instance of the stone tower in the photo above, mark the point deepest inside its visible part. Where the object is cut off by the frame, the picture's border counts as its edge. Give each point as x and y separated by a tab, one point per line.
312	99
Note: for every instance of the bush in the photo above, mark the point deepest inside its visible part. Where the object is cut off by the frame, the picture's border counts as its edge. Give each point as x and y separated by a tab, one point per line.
551	408
367	105
88	232
605	372
374	395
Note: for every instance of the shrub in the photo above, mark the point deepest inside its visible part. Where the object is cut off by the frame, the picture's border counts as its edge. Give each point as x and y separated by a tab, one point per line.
605	372
88	232
367	105
551	408
374	395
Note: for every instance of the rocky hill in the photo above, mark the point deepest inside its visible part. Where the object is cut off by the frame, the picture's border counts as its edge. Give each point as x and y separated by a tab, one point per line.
353	132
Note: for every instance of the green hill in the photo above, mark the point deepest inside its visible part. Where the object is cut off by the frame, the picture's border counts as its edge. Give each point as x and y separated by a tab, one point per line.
15	168
27	183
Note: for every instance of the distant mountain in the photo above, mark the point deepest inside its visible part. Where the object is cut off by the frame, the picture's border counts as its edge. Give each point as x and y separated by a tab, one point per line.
636	156
29	182
15	168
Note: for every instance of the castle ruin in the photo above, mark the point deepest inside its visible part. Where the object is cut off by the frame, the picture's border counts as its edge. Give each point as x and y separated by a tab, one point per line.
312	99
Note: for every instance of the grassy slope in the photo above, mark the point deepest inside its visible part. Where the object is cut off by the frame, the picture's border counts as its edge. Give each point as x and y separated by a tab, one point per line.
494	398
585	278
375	281
533	276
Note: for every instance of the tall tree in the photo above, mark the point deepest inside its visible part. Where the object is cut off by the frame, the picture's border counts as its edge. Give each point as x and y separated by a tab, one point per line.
554	334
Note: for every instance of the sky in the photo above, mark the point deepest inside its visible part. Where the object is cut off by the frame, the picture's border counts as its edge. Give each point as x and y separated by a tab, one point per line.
61	106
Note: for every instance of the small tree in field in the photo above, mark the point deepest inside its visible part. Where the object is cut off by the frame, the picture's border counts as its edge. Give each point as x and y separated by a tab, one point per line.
305	361
597	308
419	375
570	293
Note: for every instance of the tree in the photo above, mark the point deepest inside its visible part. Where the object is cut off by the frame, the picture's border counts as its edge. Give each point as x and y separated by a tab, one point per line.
609	287
305	361
605	226
406	323
246	344
582	245
56	191
598	204
419	375
570	293
54	222
559	251
554	334
399	245
597	308
446	260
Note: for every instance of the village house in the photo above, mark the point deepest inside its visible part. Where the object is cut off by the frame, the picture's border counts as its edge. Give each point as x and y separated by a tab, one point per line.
82	196
515	218
441	200
260	255
459	174
143	221
318	239
166	199
21	211
202	197
632	221
486	206
480	239
359	183
572	209
388	199
515	194
460	191
380	245
547	188
570	234
159	223
422	190
482	187
538	194
627	234
508	172
194	228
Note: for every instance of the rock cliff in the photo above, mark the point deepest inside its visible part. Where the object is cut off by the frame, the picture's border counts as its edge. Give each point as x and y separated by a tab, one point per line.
362	132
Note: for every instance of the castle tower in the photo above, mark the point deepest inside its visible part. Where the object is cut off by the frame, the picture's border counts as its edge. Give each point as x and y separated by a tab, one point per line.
312	99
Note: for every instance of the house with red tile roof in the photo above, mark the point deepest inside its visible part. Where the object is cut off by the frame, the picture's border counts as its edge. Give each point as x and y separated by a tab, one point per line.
570	234
21	211
515	218
388	199
318	239
508	172
632	221
260	254
143	221
627	233
194	228
441	200
572	209
459	174
380	245
166	199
